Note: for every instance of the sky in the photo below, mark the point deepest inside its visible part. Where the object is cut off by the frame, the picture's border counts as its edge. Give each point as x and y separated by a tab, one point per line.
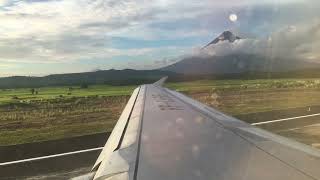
41	37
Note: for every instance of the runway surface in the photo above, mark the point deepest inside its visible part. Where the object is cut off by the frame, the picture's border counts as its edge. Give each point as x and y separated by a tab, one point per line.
58	159
67	158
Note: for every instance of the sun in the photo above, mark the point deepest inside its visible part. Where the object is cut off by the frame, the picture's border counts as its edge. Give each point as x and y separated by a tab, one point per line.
233	17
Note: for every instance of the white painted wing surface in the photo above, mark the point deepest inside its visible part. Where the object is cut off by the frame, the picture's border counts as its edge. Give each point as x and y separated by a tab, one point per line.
163	134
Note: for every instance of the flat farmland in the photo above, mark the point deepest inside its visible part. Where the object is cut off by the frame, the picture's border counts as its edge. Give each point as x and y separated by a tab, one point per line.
61	112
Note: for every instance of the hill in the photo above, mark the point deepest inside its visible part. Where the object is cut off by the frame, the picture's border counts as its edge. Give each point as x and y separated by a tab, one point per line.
237	63
111	77
230	54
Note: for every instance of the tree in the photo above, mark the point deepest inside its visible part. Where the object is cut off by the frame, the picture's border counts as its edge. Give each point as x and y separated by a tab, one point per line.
32	91
84	86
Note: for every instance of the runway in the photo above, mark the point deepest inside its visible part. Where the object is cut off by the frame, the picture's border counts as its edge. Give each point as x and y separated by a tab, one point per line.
64	159
50	156
58	159
305	129
286	119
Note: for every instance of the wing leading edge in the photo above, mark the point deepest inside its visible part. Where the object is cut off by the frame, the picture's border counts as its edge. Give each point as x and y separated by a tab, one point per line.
163	134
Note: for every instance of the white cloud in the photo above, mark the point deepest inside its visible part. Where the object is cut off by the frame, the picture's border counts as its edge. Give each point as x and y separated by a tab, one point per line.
70	30
65	30
301	42
3	2
56	17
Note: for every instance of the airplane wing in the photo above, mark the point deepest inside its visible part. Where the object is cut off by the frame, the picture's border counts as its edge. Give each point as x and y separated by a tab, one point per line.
163	134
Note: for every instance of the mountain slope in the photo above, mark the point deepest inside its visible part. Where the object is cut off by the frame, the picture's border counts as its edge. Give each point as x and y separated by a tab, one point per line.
225	36
111	77
235	61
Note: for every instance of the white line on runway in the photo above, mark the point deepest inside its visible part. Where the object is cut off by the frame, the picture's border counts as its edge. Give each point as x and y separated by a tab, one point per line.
293	129
99	148
50	156
286	119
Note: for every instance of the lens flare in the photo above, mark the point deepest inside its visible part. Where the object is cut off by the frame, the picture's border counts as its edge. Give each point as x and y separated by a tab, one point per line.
233	17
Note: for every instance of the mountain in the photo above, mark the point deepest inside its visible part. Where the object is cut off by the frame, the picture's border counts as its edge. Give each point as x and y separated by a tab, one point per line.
202	65
111	77
225	36
234	62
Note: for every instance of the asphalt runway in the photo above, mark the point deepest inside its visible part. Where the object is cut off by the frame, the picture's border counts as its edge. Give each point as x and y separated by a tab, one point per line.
289	123
303	127
62	166
301	124
54	168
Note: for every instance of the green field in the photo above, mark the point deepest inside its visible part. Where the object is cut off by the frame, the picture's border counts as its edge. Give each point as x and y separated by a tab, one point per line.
24	95
237	97
59	112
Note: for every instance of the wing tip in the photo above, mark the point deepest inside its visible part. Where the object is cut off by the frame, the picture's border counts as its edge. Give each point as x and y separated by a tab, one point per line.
161	81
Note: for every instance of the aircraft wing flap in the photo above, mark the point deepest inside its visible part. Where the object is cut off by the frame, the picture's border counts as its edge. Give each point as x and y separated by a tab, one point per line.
121	160
117	132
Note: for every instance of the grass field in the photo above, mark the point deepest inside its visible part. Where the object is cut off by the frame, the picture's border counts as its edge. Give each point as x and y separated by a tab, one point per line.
24	95
59	112
238	97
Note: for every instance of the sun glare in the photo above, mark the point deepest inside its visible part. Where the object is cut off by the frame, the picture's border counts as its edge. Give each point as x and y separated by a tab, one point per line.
233	17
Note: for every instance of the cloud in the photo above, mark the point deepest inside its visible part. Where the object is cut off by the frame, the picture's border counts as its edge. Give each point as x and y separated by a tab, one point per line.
60	50
57	31
55	17
300	42
3	2
6	65
65	30
70	30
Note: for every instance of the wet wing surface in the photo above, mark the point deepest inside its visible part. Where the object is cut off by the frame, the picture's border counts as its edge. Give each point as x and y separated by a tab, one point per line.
179	141
163	134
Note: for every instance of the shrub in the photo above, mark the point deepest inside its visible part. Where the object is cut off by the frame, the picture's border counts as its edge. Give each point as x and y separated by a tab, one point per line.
14	97
84	86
